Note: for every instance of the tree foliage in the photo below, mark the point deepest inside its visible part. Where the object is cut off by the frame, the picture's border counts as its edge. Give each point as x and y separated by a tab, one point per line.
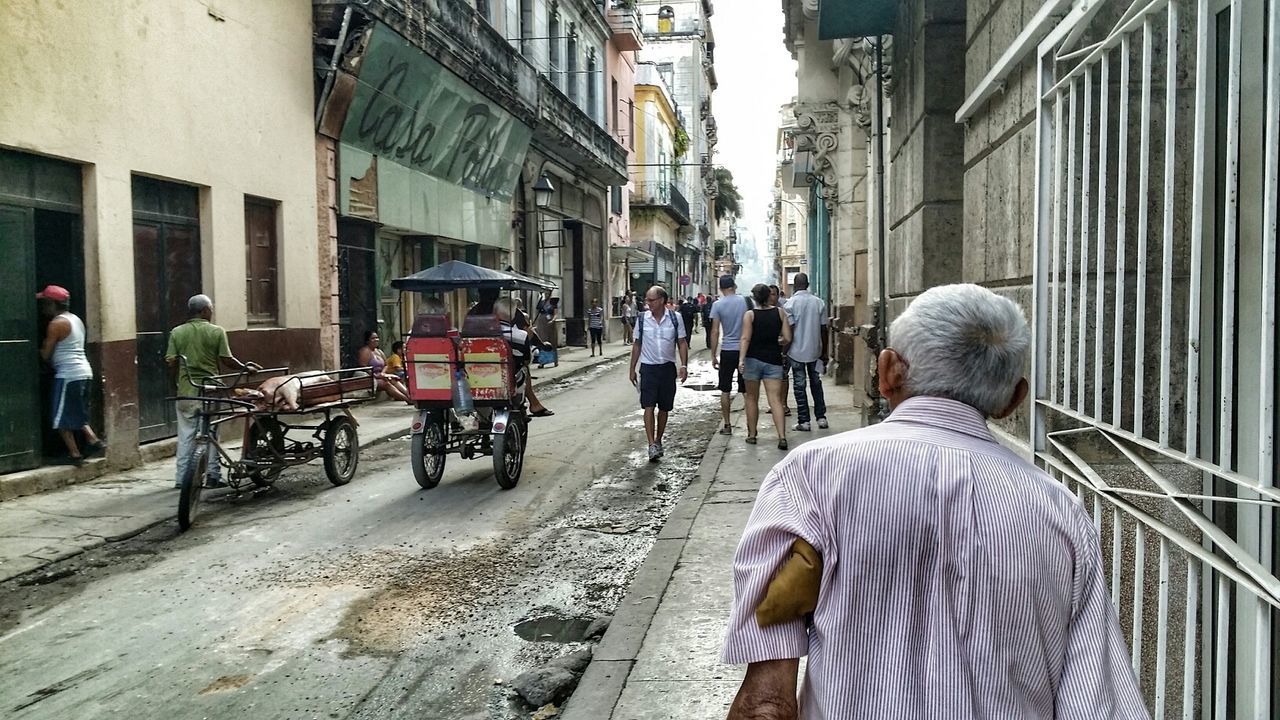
728	200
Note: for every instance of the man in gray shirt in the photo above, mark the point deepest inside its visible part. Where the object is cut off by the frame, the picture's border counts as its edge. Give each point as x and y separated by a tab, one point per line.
726	316
808	348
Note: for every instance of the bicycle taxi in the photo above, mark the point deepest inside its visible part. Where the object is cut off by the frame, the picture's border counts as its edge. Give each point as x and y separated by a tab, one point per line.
464	382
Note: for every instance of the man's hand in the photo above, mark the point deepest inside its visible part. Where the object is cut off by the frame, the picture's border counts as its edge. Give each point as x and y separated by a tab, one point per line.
252	367
825	360
684	373
634	380
768	692
715	362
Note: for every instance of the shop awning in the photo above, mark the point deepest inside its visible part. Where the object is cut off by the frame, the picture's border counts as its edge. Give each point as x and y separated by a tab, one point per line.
855	18
622	254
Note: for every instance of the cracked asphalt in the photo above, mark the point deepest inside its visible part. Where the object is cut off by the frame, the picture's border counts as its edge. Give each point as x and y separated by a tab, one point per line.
376	599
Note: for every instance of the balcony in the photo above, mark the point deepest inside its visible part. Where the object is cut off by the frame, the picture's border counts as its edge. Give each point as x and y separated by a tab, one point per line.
662	196
563	127
626	27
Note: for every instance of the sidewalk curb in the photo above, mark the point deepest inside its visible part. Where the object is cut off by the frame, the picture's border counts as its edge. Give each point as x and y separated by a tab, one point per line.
602	683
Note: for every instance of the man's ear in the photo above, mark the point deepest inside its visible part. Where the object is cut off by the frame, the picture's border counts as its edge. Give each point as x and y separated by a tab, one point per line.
1019	394
892	372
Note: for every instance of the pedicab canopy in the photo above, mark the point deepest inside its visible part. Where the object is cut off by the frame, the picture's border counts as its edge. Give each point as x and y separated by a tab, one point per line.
458	275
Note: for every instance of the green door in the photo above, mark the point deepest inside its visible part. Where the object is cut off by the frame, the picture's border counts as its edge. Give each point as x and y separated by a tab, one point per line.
19	356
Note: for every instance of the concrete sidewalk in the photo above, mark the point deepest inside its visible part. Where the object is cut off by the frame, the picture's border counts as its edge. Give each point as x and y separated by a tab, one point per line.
661	655
65	510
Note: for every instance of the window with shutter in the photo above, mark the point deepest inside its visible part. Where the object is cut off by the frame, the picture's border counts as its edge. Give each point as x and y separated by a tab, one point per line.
260	261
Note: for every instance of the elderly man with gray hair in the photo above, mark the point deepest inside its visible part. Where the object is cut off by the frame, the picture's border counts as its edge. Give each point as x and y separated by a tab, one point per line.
924	569
204	348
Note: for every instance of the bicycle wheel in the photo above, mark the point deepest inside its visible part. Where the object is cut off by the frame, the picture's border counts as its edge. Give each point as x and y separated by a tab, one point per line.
265	444
192	486
341	450
426	453
508	454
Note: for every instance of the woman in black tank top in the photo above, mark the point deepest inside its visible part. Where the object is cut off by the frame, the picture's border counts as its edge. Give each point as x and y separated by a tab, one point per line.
765	333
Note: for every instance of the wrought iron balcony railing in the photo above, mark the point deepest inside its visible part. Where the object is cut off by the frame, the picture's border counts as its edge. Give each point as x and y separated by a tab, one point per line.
664	196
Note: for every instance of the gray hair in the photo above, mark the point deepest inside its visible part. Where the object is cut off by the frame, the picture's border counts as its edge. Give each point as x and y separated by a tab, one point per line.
198	304
965	343
502	307
432	306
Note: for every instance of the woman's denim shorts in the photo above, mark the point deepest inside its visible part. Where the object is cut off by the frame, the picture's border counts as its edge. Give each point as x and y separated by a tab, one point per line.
759	370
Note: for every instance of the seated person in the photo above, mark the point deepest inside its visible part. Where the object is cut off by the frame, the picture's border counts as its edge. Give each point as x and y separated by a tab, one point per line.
371	357
517	320
395	362
522	348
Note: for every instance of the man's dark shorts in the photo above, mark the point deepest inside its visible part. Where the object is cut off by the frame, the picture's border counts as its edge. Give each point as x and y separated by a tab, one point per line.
70	407
728	366
658	386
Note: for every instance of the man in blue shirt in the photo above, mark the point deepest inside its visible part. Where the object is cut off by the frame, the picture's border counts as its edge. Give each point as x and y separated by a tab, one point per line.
808	350
726	316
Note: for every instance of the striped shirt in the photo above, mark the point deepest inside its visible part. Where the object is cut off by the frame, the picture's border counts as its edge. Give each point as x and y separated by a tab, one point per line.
958	580
595	318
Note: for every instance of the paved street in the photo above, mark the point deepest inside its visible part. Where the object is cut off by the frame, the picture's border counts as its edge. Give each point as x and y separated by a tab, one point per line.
376	599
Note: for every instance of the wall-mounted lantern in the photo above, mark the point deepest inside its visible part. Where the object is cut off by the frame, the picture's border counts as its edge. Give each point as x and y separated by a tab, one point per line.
542	191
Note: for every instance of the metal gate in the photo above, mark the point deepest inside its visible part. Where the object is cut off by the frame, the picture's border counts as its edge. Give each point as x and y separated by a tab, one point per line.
1155	304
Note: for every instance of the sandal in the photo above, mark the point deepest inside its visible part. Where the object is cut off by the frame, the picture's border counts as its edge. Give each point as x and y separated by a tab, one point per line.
542	413
751	440
782	444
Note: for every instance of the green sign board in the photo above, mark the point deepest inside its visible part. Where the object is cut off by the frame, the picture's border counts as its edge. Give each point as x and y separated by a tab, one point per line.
855	18
411	110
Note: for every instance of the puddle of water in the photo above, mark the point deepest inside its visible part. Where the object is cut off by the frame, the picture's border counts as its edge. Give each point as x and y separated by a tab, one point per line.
553	629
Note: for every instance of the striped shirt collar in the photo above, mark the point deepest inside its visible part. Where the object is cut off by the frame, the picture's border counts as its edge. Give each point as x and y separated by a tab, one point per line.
944	414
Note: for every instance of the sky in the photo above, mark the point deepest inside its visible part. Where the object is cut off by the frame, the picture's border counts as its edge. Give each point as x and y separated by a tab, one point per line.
757	76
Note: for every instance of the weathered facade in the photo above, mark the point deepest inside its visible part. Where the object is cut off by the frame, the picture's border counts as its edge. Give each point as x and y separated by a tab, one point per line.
680	43
627	37
1113	168
492	98
659	210
124	178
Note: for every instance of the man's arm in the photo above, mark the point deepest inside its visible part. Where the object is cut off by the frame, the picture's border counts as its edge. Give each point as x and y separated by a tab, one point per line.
58	329
768	692
715	342
683	347
826	335
635	358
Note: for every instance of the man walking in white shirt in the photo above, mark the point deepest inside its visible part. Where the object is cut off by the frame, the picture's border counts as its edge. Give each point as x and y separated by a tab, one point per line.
808	348
660	340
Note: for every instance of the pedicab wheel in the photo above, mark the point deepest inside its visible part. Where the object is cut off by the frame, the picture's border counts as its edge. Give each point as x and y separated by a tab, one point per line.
508	455
341	450
266	442
427	454
192	485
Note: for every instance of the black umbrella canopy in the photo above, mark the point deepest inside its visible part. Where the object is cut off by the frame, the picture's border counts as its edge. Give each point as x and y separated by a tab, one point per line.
458	275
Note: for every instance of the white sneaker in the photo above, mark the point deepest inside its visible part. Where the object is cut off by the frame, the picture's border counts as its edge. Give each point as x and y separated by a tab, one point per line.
822	423
661	452
654	453
801	427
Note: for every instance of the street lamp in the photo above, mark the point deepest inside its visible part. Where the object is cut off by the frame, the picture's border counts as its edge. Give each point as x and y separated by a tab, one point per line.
542	191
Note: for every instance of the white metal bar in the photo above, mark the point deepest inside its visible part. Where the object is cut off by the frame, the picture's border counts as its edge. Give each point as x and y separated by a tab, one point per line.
1113	39
1144	206
1057	245
1221	648
1044	213
1069	291
1270	231
1245	481
1226	399
1097	514
1139	564
1197	228
1104	132
1166	277
1189	643
1086	198
1262	660
1011	59
1162	626
1122	214
1117	551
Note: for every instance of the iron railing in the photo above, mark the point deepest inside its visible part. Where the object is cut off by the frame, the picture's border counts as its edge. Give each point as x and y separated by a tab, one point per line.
1154	304
663	195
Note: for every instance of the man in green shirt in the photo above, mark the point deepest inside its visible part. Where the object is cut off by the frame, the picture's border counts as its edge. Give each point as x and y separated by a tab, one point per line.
205	347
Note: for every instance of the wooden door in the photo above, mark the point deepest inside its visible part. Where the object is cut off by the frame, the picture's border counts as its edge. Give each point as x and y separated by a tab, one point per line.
19	356
166	266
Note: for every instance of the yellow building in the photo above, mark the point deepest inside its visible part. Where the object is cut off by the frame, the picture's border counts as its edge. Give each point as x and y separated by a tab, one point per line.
659	211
